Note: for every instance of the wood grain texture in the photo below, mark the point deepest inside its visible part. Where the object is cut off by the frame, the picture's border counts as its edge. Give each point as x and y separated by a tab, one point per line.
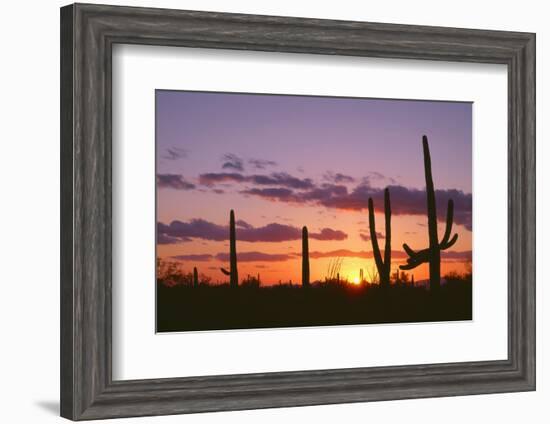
88	33
66	211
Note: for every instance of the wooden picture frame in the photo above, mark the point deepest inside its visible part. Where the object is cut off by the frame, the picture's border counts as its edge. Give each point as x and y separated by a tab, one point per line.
88	33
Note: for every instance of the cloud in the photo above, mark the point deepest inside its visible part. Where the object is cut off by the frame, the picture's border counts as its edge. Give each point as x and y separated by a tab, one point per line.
379	177
271	232
178	231
193	258
212	178
314	195
456	256
280	194
323	192
404	201
175	153
366	236
329	234
231	161
261	163
410	201
196	228
397	255
166	239
345	253
243	224
256	257
174	181
338	177
279	179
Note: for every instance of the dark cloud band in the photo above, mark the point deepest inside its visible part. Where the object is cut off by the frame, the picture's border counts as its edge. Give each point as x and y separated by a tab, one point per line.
178	231
404	201
174	181
279	179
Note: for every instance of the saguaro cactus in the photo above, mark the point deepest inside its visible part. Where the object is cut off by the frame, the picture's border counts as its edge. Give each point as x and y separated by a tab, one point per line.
195	277
305	258
383	265
233	273
432	254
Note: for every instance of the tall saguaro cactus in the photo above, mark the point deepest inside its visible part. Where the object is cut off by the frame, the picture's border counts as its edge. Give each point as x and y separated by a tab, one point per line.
432	254
233	273
383	265
195	277
305	258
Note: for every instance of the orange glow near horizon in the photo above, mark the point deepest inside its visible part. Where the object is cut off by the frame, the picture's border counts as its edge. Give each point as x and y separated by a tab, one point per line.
288	269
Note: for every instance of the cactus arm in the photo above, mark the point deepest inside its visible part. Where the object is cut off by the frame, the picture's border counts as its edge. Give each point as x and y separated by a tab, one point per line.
408	267
448	223
445	242
419	258
408	250
226	272
412	264
449	243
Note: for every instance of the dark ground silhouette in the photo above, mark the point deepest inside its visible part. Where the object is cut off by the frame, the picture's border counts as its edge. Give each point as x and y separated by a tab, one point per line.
209	307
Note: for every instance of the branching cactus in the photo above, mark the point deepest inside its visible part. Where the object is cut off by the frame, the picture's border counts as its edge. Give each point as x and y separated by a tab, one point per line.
383	265
233	273
195	277
305	258
432	254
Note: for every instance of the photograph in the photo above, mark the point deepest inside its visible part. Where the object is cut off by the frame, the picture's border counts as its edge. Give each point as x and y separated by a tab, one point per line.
277	210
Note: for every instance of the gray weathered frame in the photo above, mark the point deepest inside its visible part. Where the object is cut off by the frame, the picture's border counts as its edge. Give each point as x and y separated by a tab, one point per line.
88	33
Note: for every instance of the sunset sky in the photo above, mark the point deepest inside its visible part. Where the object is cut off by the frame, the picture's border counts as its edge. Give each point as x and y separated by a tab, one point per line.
282	162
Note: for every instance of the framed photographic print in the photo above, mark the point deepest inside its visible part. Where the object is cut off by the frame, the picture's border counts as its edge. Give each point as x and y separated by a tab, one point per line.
268	211
350	275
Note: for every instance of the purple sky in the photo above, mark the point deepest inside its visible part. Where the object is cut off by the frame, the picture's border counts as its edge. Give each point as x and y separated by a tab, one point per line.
368	134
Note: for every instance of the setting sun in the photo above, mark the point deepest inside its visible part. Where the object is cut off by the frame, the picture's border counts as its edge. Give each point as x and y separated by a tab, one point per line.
355	280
